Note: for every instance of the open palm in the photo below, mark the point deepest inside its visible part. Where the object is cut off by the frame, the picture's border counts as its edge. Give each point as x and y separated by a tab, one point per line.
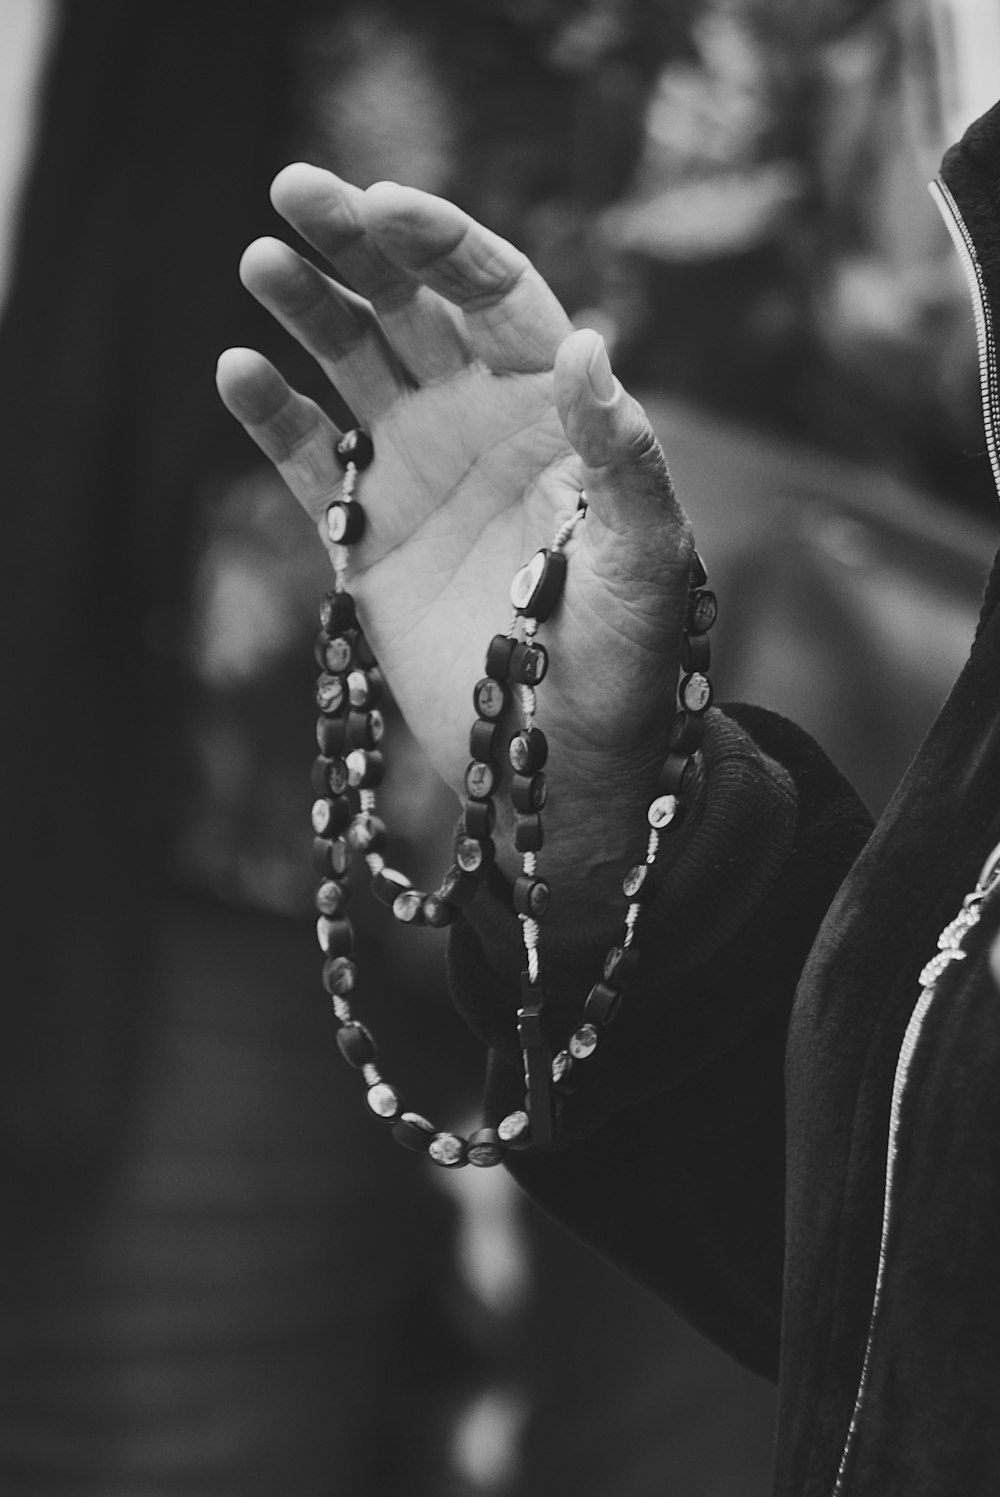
488	414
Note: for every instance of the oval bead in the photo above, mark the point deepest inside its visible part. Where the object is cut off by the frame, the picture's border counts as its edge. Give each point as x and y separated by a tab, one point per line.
408	907
448	1150
621	964
479	818
335	654
529	664
695	693
583	1042
331	694
337	612
514	1128
330	816
335	936
677	773
480	780
489	698
698	576
345	522
365	768
538	585
331	855
457	887
528	793
331	735
686	733
383	1100
483	1148
354	446
562	1071
482	740
365	688
696	652
498	653
528	750
366	833
364	730
340	976
531	896
438	911
331	896
638	882
603	1003
473	854
703	610
356	1044
662	811
528	834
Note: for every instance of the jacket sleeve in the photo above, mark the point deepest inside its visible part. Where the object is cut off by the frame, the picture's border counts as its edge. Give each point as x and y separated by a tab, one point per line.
671	1161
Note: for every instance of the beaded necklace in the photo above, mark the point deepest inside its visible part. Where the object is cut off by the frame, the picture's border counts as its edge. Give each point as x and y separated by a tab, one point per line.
346	825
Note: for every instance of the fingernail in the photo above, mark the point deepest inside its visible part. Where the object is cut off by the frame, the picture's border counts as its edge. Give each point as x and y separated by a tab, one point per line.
602	381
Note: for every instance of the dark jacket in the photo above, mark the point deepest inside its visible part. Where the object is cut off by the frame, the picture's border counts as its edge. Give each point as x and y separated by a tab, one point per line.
791	1133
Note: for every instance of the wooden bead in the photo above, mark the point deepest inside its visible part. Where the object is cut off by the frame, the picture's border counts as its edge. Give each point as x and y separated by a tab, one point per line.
490	698
537	587
345	523
331	855
529	664
408	907
531	896
703	610
330	816
603	1003
356	1044
480	780
366	833
331	695
482	740
365	688
364	730
448	1150
473	854
479	818
384	1101
698	576
621	965
528	793
457	887
331	896
484	1148
354	446
334	653
498	654
686	733
335	935
365	768
340	976
329	776
438	911
528	834
638	883
696	652
528	750
695	692
331	735
337	612
677	774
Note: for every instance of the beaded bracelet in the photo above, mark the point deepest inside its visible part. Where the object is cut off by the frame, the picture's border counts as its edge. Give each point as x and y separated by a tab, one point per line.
349	767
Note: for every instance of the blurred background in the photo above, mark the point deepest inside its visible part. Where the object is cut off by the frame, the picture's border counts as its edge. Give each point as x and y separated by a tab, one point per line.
220	1277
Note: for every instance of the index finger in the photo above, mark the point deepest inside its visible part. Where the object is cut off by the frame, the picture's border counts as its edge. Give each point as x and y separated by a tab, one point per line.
514	320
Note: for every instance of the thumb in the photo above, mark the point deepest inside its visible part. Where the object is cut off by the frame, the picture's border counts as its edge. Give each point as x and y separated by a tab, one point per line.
625	472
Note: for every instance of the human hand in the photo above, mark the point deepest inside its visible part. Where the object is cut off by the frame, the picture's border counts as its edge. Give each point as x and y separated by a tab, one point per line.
488	414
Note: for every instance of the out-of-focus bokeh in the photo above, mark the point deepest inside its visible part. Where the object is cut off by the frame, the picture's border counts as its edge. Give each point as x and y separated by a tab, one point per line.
221	1277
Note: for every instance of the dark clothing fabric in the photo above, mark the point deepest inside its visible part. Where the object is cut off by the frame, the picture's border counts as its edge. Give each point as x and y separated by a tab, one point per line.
838	1231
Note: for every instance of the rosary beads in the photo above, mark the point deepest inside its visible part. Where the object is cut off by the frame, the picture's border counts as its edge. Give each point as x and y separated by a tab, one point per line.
346	826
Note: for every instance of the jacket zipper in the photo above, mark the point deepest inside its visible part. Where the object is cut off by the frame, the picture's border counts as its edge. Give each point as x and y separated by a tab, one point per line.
985	339
950	943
